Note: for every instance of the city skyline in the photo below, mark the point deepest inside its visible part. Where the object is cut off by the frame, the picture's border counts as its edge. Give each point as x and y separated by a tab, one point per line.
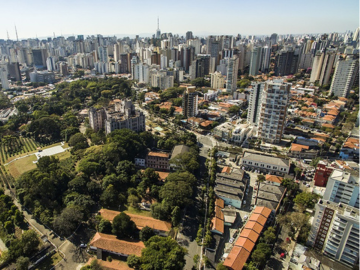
90	18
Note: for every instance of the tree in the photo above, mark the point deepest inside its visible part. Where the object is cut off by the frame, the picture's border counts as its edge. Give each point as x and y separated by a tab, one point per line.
78	141
93	266
123	226
68	220
162	253
221	266
176	216
133	201
297	171
176	193
234	109
186	161
294	220
146	233
315	161
22	263
260	178
110	197
306	200
269	235
105	226
133	261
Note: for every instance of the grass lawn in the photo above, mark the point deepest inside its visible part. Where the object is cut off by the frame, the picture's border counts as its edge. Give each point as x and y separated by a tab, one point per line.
66	145
21	166
134	211
25	164
49	262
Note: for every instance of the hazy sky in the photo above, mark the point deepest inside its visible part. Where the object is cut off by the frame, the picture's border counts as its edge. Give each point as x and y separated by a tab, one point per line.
42	18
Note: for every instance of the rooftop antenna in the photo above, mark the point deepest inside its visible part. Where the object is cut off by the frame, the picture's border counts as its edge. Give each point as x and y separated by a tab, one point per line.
17	38
158	23
8	34
54	34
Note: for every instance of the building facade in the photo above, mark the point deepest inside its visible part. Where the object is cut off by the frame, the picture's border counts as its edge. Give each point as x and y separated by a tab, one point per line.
190	102
274	102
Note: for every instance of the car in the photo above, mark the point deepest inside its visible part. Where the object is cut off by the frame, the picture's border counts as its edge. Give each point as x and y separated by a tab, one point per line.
231	240
245	217
244	202
307	185
83	245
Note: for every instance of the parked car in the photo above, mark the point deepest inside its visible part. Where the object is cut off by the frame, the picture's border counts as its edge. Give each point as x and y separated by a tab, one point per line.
231	240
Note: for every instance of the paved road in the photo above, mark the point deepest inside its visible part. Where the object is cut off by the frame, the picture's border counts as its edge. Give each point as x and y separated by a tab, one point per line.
65	247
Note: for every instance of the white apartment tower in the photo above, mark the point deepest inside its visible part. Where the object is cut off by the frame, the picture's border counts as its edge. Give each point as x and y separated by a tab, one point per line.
335	231
254	107
217	80
255	62
274	102
344	75
342	187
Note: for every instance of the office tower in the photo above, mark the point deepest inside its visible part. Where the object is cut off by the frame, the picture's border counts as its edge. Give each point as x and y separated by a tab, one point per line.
190	102
14	71
255	103
196	44
39	57
306	60
255	61
158	32
265	61
335	231
189	35
124	63
200	66
217	80
4	80
284	62
273	39
103	54
226	42
213	48
50	64
186	56
232	73
342	187
274	102
346	71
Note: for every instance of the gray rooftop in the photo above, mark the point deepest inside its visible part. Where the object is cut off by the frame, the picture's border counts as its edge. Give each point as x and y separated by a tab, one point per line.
268	204
266	159
179	149
227	195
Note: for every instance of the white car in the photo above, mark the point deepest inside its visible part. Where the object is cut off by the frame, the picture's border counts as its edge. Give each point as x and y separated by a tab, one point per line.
231	240
245	218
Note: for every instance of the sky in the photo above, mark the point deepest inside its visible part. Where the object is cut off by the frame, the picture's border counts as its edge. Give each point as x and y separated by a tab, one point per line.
43	18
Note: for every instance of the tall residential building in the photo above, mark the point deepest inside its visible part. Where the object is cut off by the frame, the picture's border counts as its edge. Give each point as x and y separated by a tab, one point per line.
255	62
4	80
265	61
103	54
142	73
254	103
232	74
189	35
121	115
346	71
322	66
190	102
158	32
274	102
213	47
200	66
50	64
39	57
335	231
161	79
217	80
284	62
342	187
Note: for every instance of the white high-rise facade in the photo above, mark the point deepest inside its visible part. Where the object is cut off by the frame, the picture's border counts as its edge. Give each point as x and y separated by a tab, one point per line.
274	102
344	76
255	62
217	80
255	103
4	80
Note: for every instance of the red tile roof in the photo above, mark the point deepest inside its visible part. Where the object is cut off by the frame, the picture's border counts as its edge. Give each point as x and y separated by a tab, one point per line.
140	221
237	258
111	243
273	178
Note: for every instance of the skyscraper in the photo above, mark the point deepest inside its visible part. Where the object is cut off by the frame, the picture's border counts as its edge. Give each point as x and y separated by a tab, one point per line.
217	80
189	35
232	72
274	102
200	66
255	103
265	61
158	32
346	71
4	80
103	54
255	61
190	102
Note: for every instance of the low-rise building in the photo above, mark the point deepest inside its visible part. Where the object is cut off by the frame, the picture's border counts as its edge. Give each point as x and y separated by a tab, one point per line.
110	244
231	187
350	149
322	173
270	193
302	151
265	163
158	160
218	220
160	227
